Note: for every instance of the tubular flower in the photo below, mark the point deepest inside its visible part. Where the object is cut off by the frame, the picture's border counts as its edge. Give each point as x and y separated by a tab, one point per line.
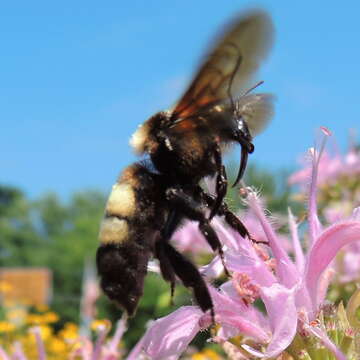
293	292
338	195
338	182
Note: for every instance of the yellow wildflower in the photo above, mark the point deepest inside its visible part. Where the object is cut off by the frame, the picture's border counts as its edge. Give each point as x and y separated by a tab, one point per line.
34	319
50	317
57	346
45	332
98	324
69	332
6	327
206	354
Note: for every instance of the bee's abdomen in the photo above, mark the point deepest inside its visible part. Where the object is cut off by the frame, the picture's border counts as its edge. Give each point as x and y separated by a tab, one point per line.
122	268
130	209
126	235
119	212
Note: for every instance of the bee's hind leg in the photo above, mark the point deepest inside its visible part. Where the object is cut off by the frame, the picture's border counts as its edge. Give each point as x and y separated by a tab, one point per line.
166	267
174	263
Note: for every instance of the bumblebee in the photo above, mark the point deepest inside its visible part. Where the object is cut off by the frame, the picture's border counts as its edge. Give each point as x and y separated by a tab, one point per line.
182	146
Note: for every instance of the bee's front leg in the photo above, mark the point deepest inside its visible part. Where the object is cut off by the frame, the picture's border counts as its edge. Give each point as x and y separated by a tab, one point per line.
221	183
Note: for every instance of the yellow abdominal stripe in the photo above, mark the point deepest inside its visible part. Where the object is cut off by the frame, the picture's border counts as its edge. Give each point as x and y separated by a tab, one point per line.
121	201
113	230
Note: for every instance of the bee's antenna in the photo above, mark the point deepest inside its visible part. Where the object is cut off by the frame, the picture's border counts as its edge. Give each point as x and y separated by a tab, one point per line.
253	87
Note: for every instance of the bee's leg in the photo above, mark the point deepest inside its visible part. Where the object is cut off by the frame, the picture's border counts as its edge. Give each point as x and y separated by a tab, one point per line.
174	263
166	268
195	211
221	182
237	224
231	219
189	275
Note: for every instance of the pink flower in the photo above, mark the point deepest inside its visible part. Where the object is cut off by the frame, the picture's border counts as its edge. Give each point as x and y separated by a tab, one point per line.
90	293
338	180
168	337
3	354
189	239
293	294
339	193
331	167
102	349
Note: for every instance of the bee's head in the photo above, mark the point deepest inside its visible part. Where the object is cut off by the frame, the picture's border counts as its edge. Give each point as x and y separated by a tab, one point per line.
145	138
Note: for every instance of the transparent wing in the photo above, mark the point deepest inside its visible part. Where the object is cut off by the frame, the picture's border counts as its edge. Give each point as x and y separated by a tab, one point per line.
229	67
256	109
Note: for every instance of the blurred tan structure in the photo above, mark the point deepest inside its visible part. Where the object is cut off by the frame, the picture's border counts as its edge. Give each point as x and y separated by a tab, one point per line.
32	286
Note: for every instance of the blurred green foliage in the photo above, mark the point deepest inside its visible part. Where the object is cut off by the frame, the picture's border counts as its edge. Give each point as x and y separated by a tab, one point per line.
52	234
63	236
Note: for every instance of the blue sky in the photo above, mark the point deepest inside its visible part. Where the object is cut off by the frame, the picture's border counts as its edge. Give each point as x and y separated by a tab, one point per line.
77	77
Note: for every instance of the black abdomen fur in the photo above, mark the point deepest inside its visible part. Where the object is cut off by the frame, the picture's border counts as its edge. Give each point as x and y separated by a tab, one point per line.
126	235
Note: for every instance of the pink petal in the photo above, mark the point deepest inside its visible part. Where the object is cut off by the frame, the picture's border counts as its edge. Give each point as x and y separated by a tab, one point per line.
237	315
3	354
39	343
137	353
252	313
314	223
225	234
299	254
119	332
85	351
189	239
169	336
18	353
243	325
280	306
227	332
323	252
326	341
252	266
103	331
212	270
286	270
281	309
252	351
324	282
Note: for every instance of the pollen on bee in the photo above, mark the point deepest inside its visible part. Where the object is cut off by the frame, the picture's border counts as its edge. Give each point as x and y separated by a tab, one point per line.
121	200
113	230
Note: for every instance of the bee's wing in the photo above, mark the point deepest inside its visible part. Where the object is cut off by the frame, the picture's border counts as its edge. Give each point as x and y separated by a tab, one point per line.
257	110
229	67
